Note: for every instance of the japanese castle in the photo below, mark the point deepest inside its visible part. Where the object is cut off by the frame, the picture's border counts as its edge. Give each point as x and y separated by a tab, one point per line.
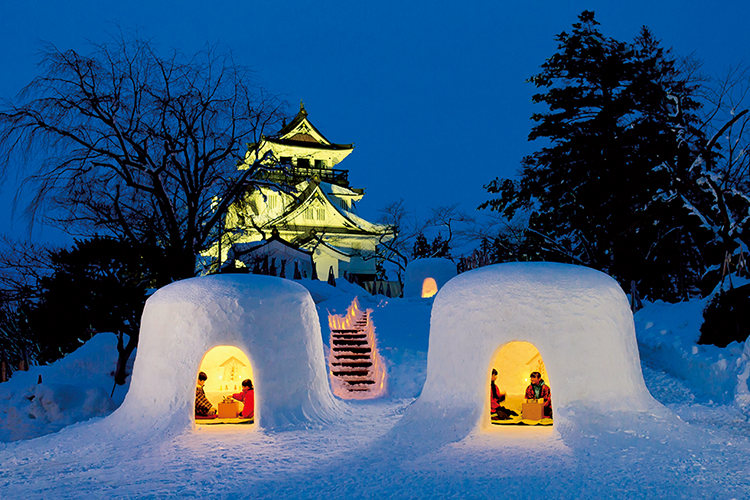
312	223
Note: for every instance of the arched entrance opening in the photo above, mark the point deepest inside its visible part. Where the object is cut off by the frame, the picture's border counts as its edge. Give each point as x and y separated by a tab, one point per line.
515	362
429	288
225	368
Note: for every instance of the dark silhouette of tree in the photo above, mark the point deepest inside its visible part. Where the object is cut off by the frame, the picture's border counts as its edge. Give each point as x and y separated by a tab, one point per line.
99	285
421	247
618	113
143	147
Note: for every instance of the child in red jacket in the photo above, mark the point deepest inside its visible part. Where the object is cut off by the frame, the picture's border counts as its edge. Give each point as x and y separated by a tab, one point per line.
247	396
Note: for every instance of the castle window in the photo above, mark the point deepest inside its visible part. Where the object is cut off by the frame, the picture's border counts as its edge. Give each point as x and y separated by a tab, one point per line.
303	163
286	160
320	164
272	201
310	214
321	214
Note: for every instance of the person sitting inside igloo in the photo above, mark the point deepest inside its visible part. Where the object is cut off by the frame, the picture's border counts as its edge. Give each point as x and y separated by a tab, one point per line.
247	396
497	411
537	389
203	407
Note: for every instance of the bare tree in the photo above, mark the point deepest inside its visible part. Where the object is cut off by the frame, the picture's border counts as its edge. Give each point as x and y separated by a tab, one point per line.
22	265
454	221
141	146
402	226
717	190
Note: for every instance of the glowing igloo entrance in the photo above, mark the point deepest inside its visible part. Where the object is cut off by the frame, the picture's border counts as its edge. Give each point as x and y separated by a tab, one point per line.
514	363
429	288
226	367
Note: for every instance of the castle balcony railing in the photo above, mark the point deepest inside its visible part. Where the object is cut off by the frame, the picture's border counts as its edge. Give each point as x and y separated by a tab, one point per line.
292	175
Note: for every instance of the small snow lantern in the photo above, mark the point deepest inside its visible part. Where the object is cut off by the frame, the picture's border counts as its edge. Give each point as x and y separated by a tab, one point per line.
425	277
429	288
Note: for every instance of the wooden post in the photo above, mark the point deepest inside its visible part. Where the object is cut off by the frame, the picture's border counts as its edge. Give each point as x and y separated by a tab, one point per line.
25	359
4	369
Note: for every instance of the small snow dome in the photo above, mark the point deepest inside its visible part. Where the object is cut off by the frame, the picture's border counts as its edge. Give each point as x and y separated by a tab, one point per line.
576	318
424	277
262	327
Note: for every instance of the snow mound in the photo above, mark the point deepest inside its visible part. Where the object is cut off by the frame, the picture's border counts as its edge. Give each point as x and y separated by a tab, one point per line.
272	320
322	291
668	340
73	389
742	393
578	319
417	271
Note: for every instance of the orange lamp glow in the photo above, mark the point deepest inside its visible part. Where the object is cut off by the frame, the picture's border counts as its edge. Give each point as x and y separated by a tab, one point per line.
226	366
429	288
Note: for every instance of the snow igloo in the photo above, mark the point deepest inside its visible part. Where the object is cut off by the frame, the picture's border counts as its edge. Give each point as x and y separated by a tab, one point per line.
577	320
424	277
267	328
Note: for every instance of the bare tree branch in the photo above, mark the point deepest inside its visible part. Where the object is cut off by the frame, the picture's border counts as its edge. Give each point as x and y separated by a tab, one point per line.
127	142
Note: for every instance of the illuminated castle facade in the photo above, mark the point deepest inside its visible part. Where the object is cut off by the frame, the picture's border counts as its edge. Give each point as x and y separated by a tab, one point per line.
316	215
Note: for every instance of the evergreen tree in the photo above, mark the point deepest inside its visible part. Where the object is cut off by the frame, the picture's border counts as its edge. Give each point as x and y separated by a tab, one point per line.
99	285
617	112
440	248
421	247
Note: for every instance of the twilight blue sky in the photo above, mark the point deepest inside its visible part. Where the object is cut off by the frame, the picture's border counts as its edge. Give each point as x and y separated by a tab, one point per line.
432	94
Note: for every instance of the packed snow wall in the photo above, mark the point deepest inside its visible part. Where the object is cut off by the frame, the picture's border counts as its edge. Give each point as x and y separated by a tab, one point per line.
440	271
579	320
272	320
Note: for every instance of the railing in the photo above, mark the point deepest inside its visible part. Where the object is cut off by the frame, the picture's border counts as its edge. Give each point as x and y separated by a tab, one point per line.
292	175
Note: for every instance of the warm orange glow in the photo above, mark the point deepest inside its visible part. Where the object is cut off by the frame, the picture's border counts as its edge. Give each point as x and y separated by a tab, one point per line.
356	369
429	288
514	363
226	366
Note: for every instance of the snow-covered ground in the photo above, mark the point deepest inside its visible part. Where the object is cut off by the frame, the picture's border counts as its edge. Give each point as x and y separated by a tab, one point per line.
698	449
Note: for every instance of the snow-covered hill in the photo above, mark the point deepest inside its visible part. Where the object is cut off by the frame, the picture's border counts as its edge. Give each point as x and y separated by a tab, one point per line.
697	449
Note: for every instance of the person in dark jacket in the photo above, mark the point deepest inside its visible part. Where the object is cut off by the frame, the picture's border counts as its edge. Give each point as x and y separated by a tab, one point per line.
203	406
539	390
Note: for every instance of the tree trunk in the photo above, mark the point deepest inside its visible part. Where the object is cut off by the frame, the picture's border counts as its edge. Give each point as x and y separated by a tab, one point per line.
124	353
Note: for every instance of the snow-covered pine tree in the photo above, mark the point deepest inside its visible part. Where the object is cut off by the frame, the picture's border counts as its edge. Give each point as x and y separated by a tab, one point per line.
611	123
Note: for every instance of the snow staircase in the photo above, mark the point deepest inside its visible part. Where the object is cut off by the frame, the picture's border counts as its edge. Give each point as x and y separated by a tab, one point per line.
356	369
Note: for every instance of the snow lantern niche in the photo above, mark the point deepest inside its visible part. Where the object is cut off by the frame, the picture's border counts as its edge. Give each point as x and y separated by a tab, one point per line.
357	371
226	367
429	288
424	277
272	321
579	320
515	361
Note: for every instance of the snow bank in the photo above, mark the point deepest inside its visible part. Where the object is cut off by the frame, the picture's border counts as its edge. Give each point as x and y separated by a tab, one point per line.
742	394
322	291
272	320
578	319
73	389
417	271
667	337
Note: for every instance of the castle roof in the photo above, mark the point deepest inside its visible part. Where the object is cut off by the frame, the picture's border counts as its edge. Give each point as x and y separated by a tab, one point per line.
300	132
